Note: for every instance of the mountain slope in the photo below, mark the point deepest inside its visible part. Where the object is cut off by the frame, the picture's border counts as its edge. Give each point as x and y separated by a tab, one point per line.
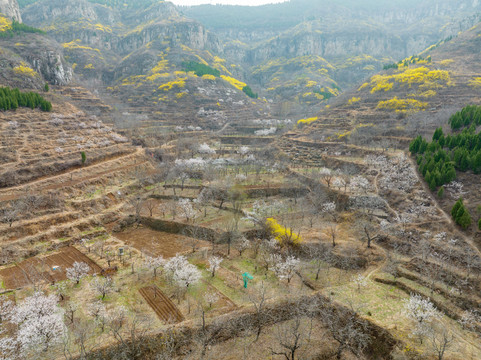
135	54
29	58
391	108
355	38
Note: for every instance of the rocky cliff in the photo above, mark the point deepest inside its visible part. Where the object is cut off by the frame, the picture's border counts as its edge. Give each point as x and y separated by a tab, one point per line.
10	8
29	58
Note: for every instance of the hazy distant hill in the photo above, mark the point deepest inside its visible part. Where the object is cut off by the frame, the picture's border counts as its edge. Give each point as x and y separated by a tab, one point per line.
354	39
299	54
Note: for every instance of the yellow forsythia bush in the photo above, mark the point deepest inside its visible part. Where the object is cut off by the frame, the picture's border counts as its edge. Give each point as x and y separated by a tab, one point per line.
281	233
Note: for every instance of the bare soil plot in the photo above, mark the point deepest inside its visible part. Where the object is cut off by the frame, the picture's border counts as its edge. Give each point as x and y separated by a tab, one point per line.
40	269
223	300
158	242
161	304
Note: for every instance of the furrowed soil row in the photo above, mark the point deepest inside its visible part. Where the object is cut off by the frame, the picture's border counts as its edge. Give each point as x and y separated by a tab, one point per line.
161	304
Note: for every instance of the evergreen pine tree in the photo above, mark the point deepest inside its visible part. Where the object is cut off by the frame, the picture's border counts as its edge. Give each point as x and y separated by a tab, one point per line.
465	220
441	192
456	207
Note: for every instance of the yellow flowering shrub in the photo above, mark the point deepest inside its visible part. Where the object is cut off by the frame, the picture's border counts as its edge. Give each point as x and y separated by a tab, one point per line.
23	69
5	24
353	100
89	66
179	83
348	133
427	94
73	45
403	105
208	77
161	66
476	82
103	28
307	121
202	61
157	76
282	234
446	62
234	82
423	76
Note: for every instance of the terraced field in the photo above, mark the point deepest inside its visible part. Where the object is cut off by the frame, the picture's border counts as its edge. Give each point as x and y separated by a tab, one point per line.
41	269
50	195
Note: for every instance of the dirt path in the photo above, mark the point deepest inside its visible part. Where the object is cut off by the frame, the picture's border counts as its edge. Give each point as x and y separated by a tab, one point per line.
376	188
219	132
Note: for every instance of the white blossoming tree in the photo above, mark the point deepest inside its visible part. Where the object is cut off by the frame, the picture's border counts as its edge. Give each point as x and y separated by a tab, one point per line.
38	326
286	269
214	264
186	209
78	271
153	263
422	312
182	273
205	149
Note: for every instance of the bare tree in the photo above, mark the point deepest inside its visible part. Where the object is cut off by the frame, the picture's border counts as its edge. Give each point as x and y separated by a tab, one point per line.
258	297
326	175
10	214
332	232
83	336
129	331
292	336
344	326
150	204
137	204
194	234
320	255
167	345
440	340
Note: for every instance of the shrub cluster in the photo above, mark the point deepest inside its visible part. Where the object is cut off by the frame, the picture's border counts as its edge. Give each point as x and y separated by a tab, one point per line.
200	69
438	159
461	214
248	91
19	28
327	95
11	99
468	116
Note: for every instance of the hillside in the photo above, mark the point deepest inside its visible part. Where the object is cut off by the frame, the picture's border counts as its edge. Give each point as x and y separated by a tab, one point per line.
311	58
285	46
29	58
416	97
371	127
206	183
